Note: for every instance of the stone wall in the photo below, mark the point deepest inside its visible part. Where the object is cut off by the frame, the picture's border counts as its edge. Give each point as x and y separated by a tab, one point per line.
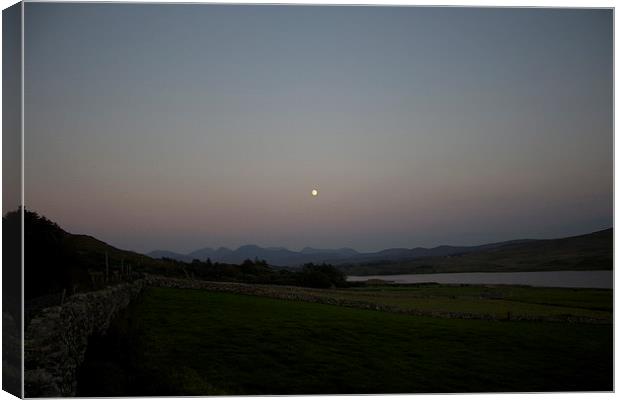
56	339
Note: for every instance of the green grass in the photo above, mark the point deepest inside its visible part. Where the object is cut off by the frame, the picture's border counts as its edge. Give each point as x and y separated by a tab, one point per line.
497	301
191	342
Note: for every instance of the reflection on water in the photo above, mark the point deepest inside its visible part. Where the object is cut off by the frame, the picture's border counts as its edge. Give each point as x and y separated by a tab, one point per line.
575	279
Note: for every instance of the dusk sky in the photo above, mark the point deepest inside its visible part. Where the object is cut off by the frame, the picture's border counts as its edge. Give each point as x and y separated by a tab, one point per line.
183	126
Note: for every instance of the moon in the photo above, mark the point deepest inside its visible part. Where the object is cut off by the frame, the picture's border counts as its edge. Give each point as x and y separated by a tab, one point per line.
314	192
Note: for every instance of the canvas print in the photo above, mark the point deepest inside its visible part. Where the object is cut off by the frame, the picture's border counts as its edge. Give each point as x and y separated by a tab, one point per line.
233	199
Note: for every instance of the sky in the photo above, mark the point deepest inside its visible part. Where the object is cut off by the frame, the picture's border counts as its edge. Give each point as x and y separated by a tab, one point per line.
183	126
11	117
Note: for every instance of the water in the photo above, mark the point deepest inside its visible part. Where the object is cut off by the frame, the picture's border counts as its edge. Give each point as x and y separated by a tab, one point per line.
574	279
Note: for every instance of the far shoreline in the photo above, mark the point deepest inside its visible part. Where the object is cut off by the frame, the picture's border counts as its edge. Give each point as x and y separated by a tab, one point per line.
590	279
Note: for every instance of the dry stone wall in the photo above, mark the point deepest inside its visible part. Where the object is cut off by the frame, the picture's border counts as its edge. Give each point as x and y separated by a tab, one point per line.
56	340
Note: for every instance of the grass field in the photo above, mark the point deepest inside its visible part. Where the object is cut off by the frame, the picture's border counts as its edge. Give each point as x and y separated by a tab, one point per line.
497	300
194	342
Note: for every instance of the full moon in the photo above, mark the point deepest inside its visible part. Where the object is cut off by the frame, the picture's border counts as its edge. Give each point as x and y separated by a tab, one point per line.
315	192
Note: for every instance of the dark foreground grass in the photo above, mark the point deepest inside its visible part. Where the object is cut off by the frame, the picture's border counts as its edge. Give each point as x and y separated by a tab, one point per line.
191	342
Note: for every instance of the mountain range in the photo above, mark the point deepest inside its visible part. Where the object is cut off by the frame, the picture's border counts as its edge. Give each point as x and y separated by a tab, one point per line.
279	256
592	251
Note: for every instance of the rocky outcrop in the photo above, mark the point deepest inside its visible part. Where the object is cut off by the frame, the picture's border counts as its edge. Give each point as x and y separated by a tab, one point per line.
56	339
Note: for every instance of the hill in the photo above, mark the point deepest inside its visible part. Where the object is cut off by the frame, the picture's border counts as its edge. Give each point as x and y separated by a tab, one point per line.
282	257
275	256
56	260
58	263
592	251
513	255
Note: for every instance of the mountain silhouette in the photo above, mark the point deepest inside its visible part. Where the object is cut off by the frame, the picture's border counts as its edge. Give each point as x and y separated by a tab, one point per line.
280	256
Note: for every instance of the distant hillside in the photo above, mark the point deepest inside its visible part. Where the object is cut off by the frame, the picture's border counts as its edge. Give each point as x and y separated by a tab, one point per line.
279	256
403	254
276	256
593	251
170	254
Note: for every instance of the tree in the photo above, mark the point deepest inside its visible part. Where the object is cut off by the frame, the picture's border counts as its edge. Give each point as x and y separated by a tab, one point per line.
321	276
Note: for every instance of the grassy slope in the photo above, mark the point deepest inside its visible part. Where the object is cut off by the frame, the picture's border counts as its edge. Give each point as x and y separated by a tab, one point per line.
187	342
586	252
92	251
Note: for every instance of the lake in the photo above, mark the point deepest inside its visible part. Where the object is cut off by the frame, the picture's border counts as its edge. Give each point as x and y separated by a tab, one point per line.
575	279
